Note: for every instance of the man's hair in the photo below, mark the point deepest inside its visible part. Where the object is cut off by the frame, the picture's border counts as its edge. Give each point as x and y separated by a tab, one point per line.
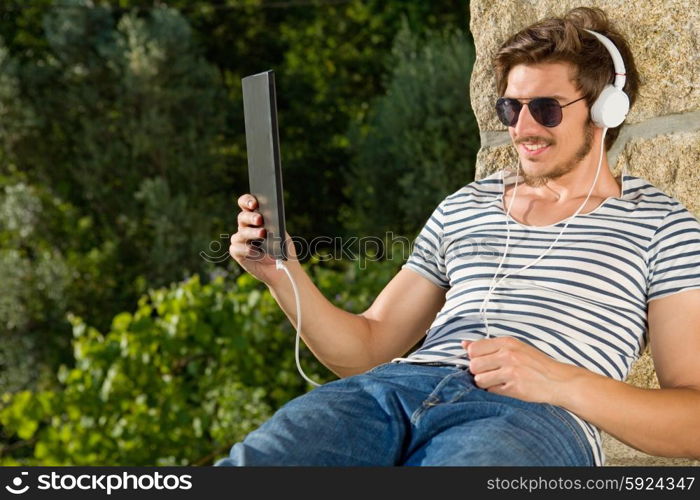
562	39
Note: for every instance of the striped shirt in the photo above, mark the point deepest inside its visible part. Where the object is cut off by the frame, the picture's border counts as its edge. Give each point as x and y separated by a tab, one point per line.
584	303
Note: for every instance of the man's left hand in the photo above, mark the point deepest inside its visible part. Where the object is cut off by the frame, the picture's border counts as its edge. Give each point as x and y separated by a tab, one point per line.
510	367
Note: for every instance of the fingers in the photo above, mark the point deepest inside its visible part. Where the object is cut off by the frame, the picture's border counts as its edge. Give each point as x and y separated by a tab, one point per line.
248	202
248	234
250	228
489	346
491	380
480	362
484	364
241	251
249	219
465	345
242	243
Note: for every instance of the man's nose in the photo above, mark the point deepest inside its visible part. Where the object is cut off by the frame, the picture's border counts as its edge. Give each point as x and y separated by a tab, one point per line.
526	124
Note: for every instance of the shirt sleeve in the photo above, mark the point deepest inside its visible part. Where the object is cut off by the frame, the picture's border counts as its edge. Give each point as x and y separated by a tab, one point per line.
428	255
674	255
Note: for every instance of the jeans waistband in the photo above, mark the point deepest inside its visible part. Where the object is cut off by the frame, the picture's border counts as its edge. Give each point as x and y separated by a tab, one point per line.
435	363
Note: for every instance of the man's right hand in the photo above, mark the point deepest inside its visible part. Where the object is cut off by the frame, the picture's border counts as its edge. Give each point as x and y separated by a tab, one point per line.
251	228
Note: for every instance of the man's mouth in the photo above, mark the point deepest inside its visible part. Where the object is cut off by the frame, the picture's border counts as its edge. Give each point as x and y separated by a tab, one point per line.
533	148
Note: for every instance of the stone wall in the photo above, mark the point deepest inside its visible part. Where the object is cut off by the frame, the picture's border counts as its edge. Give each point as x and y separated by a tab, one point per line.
661	139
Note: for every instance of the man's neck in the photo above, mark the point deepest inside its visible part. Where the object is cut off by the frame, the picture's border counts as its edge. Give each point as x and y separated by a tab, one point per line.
576	184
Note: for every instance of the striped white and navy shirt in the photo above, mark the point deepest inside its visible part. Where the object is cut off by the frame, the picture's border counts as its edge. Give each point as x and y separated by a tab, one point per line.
584	303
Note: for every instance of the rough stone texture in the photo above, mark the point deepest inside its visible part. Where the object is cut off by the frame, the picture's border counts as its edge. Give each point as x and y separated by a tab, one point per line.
688	121
489	160
619	454
663	34
670	162
664	38
642	373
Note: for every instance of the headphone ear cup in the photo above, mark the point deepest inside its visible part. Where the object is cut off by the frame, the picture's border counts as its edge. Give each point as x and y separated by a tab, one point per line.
611	107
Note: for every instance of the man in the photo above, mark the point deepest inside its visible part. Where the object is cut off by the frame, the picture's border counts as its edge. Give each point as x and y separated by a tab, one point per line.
528	339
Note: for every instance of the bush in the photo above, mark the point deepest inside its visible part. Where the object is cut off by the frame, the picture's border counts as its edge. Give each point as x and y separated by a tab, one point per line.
193	369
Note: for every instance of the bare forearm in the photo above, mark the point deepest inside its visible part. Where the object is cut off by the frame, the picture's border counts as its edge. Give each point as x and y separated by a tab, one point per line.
661	422
339	339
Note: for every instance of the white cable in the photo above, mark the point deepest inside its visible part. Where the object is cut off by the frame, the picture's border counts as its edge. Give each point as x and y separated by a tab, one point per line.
492	287
279	264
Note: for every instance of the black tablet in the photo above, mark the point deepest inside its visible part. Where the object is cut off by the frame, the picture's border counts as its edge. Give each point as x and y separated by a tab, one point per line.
264	164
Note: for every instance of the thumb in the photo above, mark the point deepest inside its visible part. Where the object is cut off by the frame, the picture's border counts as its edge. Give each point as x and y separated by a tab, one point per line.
289	246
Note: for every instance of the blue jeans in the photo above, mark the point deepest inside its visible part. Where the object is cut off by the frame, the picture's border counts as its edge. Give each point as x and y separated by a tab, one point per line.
409	414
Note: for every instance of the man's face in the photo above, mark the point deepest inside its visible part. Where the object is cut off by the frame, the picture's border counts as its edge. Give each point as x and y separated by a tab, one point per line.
547	153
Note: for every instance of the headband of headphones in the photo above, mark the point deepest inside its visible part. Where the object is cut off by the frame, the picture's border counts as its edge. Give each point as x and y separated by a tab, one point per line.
620	72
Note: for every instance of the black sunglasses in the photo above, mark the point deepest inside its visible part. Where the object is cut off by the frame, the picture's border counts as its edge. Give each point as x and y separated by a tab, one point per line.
545	110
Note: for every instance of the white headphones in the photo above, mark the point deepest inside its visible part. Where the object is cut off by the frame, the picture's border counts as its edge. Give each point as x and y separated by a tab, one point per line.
612	105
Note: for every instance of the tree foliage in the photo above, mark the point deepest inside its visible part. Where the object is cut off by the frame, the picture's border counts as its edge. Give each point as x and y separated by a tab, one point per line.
120	118
42	267
123	118
332	70
421	141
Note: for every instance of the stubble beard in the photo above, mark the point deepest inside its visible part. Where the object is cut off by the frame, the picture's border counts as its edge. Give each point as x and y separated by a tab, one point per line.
564	167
